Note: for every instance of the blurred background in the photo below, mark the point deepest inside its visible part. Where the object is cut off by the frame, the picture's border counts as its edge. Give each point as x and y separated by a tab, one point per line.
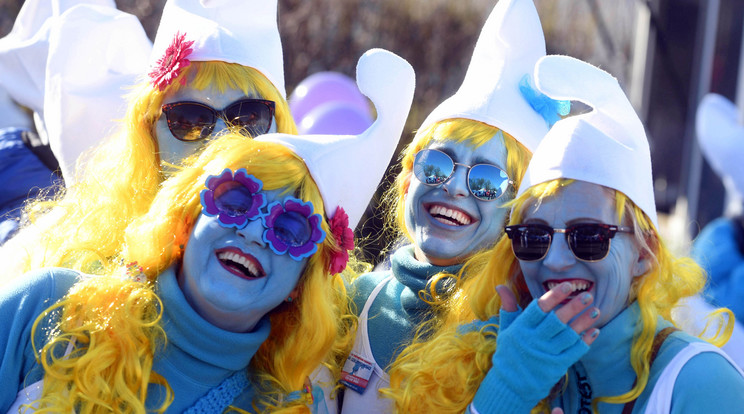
666	54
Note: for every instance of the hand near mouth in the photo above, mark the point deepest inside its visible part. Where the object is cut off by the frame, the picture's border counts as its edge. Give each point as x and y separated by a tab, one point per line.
554	297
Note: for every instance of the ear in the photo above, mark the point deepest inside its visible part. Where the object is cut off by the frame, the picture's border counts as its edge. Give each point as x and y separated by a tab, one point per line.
642	264
293	294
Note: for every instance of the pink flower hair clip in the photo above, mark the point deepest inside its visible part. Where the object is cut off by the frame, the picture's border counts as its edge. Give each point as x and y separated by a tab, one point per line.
168	67
345	237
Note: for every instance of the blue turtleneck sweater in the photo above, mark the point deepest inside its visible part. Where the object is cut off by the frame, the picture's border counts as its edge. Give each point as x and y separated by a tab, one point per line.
398	309
198	356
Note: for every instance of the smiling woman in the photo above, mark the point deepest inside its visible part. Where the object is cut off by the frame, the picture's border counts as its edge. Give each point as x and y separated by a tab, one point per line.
235	287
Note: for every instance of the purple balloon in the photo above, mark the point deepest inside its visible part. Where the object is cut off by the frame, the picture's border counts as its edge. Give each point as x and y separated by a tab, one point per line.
324	87
337	118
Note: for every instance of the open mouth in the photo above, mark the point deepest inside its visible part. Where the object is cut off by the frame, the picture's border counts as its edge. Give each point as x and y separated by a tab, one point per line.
449	216
240	264
578	286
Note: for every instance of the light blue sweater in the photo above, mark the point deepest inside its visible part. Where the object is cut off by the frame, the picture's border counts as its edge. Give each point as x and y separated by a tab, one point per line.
398	309
197	358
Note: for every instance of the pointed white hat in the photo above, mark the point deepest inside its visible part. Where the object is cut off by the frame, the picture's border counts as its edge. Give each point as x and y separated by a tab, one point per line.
24	51
96	53
234	31
348	168
721	139
508	47
607	146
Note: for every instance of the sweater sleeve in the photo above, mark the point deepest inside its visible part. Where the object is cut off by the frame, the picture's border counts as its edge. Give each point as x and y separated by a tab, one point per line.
21	302
708	383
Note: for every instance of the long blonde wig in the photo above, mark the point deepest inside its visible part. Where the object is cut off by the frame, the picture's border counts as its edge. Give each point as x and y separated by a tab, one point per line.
84	225
442	369
116	321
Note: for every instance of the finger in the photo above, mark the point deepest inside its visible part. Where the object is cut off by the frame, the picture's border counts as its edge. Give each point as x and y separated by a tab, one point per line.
589	336
585	320
574	307
508	300
554	297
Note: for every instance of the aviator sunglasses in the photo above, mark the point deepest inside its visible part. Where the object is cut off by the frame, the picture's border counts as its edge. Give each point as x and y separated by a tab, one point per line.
589	242
486	182
290	224
193	121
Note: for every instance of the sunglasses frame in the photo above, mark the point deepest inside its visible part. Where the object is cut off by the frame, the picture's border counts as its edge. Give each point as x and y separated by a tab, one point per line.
512	231
218	114
509	181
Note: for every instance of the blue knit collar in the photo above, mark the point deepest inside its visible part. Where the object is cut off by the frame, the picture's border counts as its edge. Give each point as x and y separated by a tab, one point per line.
414	275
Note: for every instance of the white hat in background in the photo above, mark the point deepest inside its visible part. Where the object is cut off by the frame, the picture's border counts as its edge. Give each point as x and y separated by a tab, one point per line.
721	139
234	31
508	47
607	146
348	168
96	53
24	51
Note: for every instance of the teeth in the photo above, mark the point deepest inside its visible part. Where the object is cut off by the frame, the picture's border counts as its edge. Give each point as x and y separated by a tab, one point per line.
576	285
234	257
455	215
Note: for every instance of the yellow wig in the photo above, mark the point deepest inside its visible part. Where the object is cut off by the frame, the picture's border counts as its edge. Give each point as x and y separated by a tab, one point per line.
442	370
115	321
82	227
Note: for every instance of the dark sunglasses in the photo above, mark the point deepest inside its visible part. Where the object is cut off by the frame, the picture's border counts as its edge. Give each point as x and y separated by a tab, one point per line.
290	225
589	242
192	121
486	182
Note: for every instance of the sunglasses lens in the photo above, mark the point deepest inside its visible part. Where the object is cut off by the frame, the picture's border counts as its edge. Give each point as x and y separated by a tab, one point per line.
487	182
233	199
530	243
432	167
292	228
190	122
253	116
589	242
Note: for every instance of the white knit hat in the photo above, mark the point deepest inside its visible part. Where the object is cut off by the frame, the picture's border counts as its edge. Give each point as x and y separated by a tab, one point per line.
607	146
721	139
510	43
234	31
95	53
348	168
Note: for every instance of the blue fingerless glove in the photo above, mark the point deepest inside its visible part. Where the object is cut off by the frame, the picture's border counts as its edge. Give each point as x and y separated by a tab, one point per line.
534	350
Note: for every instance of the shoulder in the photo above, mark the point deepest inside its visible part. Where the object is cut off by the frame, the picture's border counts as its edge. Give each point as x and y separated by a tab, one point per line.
707	378
363	286
46	283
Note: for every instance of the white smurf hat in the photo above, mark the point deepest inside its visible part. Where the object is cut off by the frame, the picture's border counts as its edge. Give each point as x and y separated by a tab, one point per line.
24	51
348	168
234	31
607	146
95	53
721	139
508	47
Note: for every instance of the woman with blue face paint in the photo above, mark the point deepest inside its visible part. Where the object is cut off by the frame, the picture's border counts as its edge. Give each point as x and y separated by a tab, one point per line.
448	200
209	70
582	235
234	291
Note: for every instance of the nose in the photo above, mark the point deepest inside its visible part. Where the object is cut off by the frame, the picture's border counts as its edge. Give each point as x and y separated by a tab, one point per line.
219	126
252	233
559	257
456	185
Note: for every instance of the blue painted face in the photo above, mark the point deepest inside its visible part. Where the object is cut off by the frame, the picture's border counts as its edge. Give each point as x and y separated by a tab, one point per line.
231	277
447	222
608	279
173	150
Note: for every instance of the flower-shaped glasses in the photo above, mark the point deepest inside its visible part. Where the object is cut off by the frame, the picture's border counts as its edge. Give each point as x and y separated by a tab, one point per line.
290	225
